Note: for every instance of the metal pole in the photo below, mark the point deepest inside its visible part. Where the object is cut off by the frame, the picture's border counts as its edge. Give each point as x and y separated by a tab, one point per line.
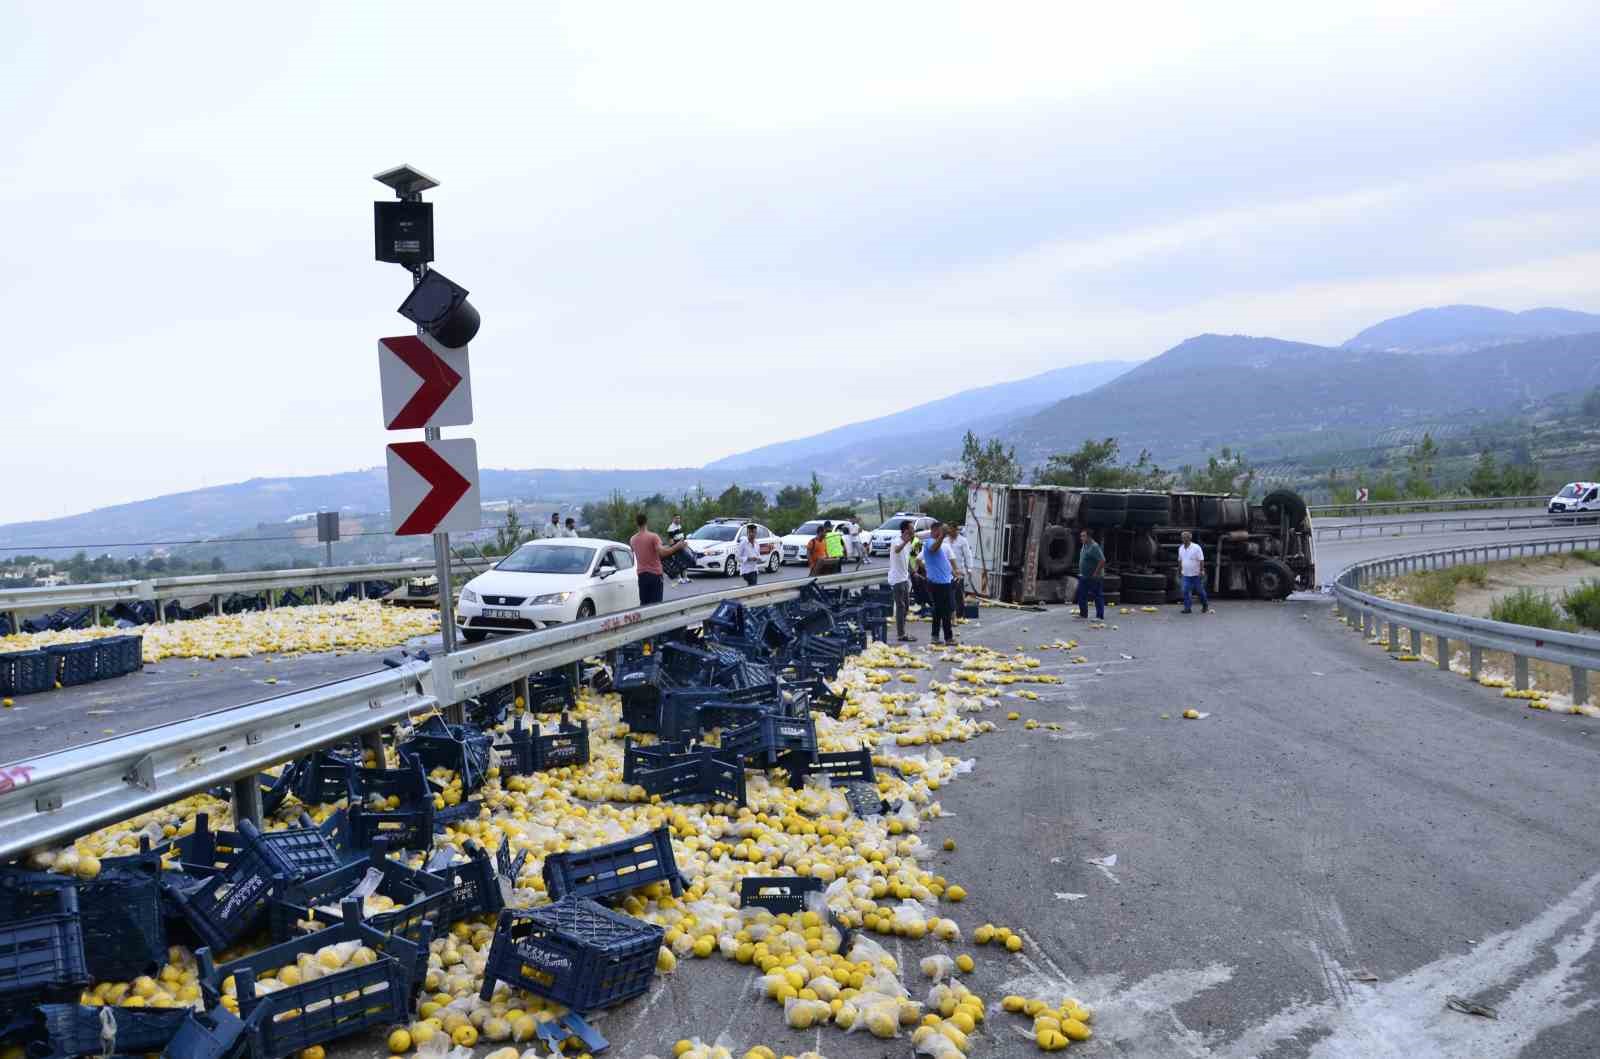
330	553
247	800
373	741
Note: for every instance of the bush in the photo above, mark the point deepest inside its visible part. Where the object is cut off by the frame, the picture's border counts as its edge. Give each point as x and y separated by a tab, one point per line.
1586	555
1436	589
1527	607
1583	603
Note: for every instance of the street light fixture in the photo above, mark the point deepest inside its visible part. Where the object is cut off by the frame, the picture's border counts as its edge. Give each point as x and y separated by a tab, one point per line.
439	306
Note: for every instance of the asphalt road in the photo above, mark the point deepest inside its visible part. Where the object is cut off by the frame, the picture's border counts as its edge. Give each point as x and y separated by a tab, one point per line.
1310	870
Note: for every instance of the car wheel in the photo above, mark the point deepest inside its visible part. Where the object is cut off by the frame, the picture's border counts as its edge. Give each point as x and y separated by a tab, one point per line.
473	635
730	568
773	562
586	610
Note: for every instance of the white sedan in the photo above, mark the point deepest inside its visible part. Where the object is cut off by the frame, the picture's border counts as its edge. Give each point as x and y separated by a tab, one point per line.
549	582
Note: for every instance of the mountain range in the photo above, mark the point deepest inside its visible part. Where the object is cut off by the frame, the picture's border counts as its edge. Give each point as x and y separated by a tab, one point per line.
1467	363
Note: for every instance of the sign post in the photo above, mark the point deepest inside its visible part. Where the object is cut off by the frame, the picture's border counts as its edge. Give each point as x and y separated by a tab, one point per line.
328	530
433	484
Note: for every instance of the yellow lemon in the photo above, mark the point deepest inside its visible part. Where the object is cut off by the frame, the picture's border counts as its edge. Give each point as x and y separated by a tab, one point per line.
399	1042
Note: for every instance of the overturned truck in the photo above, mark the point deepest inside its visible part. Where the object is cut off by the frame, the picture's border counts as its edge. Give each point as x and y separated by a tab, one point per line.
1025	541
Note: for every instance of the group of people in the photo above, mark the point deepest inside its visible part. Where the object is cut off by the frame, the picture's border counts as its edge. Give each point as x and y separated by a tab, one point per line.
931	572
554	528
828	549
1092	575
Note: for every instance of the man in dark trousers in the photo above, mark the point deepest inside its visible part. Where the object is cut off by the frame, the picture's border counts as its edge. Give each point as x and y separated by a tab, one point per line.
1091	576
941	582
647	555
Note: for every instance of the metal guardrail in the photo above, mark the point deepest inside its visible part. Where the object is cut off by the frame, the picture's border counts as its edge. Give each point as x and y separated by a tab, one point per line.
108	593
1397	527
1401	507
59	796
1367	612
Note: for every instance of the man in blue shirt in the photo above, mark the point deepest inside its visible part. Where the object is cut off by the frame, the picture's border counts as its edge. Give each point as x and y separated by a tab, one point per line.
1091	576
941	582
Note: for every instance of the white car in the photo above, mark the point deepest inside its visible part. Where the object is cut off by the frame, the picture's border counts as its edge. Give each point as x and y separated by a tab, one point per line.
884	536
712	546
1576	498
794	544
549	582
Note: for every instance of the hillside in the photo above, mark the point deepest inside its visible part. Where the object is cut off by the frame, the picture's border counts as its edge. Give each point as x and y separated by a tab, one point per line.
1234	390
984	408
1462	328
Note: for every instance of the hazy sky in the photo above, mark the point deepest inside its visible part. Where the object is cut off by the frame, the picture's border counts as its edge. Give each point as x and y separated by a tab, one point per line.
696	228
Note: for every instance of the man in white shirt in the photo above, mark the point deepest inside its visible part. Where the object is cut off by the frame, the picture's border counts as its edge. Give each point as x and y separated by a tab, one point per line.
1192	565
551	529
961	555
900	579
570	529
748	554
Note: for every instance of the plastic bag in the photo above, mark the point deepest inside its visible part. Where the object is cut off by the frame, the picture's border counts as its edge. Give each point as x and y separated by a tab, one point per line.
929	1041
801	1014
938	967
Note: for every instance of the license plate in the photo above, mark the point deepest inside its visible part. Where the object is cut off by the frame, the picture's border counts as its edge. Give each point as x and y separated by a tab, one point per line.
490	612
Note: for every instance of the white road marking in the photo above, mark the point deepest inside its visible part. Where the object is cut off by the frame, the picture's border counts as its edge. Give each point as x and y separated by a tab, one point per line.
1070	897
1105	864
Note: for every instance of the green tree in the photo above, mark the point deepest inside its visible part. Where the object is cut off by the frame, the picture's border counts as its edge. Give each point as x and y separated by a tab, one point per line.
1226	472
508	536
217	565
1094	465
1485	477
1420	466
988	461
1591	403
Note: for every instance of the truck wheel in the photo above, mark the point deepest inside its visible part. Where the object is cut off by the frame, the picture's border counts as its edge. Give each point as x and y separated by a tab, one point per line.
1104	510
1144	582
1055	552
1285	504
1273	580
1149	509
1143	596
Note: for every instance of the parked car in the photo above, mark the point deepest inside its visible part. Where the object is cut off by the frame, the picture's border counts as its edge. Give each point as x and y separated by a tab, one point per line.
712	546
1576	498
549	582
885	535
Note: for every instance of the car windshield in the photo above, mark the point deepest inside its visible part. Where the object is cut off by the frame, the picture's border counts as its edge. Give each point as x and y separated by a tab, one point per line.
1569	492
716	531
547	559
806	529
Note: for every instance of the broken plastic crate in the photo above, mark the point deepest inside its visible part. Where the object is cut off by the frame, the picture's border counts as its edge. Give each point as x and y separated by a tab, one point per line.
703	775
533	750
310	905
66	1030
473	884
461	748
340	1003
606	871
364	823
551	692
575	952
211	1034
767	738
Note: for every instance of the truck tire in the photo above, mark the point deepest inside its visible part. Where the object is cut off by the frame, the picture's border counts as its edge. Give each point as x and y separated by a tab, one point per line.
1144	597
1272	580
1149	509
1056	550
1235	513
1144	582
1284	504
1209	514
1103	510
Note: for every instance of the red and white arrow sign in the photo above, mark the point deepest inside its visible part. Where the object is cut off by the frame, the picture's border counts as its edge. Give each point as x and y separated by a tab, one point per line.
424	384
433	487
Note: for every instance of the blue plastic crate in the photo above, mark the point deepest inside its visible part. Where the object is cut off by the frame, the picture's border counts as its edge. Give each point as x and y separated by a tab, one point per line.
120	655
338	1004
763	741
79	662
844	766
779	894
575	952
42	959
461	748
616	868
326	776
68	1030
213	1034
473	884
124	934
551	692
27	672
532	750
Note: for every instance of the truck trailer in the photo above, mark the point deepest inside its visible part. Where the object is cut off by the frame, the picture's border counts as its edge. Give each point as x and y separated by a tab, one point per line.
1025	541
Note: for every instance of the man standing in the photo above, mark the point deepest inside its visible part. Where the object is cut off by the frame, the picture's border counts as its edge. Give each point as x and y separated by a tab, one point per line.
1192	565
647	555
570	529
817	552
941	577
961	554
1091	576
835	542
552	528
900	580
748	553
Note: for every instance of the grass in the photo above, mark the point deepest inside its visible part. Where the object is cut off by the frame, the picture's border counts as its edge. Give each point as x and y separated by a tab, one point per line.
1583	603
1527	607
1436	589
1587	555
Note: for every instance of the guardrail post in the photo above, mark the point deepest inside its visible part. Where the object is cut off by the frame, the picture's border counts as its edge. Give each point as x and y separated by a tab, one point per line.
372	741
216	605
1368	623
1444	652
247	800
1519	670
16	623
95	610
361	590
523	693
1580	685
1416	642
1474	661
1394	637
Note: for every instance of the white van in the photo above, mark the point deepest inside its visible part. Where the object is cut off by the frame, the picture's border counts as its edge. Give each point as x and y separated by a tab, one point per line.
1576	498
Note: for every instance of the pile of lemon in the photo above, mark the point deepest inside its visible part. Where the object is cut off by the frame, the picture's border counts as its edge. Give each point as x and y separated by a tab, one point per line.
876	871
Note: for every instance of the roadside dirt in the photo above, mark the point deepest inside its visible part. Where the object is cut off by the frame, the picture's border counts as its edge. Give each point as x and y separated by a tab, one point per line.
1548	576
